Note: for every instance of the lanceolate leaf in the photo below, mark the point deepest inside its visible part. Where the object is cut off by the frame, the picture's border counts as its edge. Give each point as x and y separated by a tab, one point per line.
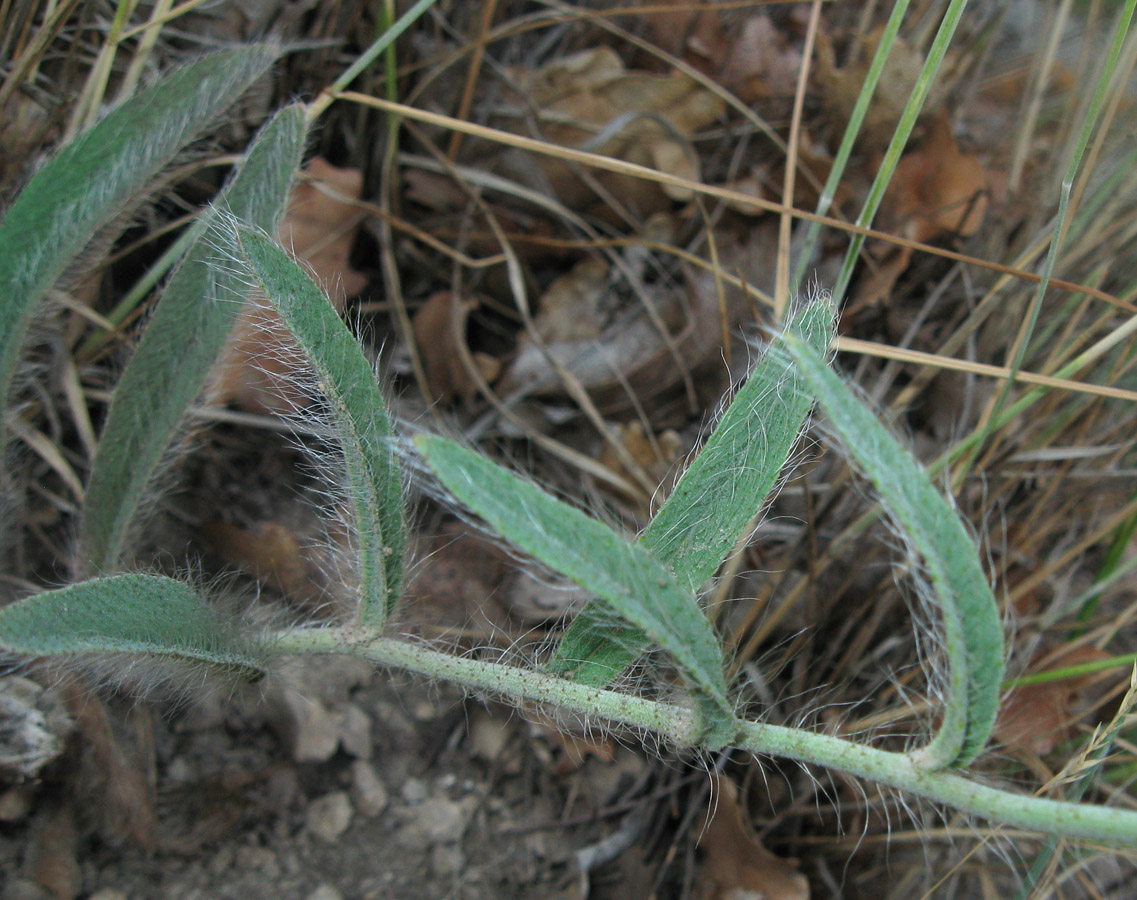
179	346
717	497
148	615
358	412
629	579
93	177
973	636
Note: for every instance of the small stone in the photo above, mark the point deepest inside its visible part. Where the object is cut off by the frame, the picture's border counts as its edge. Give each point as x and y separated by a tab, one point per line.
108	894
447	860
367	790
290	862
222	860
330	679
16	802
424	710
179	770
325	892
329	816
305	725
282	787
354	731
414	791
488	736
23	889
444	821
258	859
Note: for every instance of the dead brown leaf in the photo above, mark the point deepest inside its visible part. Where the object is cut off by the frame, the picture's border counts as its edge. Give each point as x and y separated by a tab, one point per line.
1036	718
693	32
589	100
752	59
257	369
658	458
631	354
457	583
876	287
841	87
570	308
24	127
761	62
273	554
937	190
115	778
736	865
440	334
52	852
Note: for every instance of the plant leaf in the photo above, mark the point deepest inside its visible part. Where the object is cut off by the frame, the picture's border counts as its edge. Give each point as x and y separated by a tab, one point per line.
972	631
719	494
358	412
179	346
91	179
134	614
626	576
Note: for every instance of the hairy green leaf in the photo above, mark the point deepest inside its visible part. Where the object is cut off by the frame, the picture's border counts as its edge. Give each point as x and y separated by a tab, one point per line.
91	179
719	494
973	635
134	614
626	576
180	345
359	416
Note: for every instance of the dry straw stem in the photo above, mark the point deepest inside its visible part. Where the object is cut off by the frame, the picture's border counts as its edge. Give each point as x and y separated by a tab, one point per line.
619	166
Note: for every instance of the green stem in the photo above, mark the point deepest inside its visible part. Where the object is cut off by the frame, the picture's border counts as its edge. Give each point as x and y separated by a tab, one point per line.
365	59
680	725
856	118
899	141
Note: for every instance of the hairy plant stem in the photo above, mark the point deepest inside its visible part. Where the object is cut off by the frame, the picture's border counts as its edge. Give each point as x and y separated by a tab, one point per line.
681	726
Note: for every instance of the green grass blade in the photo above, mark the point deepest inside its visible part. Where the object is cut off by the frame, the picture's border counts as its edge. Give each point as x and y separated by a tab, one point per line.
1023	341
636	585
147	615
849	138
973	635
718	495
93	177
899	141
374	486
178	349
364	60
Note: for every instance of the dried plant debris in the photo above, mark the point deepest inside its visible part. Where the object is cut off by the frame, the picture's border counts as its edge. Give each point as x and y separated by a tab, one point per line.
735	863
590	100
